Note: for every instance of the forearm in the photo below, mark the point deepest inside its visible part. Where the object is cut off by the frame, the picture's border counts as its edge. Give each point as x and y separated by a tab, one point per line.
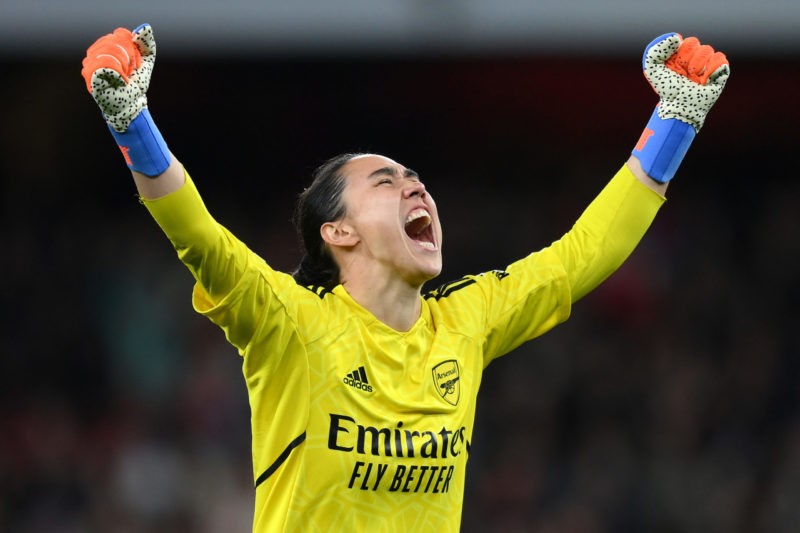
117	70
608	230
688	77
214	256
152	188
635	166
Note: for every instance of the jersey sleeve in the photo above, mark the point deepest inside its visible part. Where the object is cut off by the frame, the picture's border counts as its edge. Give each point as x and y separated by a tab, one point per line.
607	232
259	310
234	287
536	293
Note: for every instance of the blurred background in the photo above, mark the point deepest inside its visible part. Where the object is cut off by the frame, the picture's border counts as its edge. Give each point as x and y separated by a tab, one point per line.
669	402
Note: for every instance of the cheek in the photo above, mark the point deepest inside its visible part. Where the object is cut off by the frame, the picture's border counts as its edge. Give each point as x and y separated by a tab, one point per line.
373	220
376	223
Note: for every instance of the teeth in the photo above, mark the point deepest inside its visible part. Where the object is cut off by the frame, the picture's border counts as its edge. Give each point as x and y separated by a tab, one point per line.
415	214
416	229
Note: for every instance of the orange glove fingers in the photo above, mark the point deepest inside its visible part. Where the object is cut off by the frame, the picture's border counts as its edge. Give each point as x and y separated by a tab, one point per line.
121	36
696	61
125	39
115	51
679	61
697	68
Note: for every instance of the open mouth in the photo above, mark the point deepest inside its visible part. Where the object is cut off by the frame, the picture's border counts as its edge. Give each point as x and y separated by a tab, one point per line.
419	227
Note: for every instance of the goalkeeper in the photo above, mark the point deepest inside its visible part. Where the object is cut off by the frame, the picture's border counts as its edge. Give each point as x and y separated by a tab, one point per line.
362	388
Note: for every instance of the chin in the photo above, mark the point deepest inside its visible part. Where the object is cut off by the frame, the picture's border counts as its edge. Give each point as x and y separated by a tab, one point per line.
432	272
424	275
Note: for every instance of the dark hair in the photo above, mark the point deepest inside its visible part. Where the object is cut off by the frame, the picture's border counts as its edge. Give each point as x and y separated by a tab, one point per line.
320	202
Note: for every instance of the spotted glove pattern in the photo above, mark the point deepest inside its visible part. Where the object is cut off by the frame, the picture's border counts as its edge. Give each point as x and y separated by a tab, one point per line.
117	70
687	76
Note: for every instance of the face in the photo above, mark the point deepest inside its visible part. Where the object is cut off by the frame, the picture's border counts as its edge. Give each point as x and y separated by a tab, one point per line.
393	218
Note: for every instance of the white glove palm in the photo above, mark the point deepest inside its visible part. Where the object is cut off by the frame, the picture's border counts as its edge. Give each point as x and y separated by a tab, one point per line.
688	77
117	70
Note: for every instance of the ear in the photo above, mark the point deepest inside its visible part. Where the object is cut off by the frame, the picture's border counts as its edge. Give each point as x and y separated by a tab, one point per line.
338	234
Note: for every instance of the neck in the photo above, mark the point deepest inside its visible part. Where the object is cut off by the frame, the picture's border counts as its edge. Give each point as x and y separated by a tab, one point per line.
393	301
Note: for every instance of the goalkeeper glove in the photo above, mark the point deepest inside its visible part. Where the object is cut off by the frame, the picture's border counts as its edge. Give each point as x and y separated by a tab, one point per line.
117	70
688	78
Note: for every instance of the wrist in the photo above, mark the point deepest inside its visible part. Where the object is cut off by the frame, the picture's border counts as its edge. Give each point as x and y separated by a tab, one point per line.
635	166
663	145
143	146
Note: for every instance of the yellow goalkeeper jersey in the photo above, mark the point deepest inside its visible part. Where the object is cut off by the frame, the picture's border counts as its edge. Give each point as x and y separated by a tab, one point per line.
359	427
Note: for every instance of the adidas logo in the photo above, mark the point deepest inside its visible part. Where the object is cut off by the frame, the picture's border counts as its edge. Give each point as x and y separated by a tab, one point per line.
358	379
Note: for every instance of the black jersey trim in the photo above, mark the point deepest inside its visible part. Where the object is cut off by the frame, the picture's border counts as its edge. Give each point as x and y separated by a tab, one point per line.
281	458
319	290
448	288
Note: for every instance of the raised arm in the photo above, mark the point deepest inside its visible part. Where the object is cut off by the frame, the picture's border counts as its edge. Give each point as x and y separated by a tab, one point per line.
688	78
117	70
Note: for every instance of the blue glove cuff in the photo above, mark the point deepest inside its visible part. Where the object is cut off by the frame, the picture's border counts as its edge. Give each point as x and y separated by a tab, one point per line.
663	145
142	146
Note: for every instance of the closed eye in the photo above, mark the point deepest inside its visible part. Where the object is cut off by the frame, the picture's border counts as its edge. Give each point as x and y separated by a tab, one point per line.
389	174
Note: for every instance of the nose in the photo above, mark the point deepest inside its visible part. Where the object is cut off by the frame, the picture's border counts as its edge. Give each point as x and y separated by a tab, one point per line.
414	188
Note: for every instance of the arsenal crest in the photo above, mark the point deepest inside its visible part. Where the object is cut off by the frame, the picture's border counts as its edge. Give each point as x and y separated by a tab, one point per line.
447	380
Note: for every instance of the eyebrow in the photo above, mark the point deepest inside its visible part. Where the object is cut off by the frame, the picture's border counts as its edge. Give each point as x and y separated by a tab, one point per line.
392	171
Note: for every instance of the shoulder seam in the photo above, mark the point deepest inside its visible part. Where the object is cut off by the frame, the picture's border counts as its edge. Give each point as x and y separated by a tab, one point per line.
446	289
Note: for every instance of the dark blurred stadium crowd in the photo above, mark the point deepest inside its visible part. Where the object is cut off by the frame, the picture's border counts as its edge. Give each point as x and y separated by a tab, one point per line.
667	403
